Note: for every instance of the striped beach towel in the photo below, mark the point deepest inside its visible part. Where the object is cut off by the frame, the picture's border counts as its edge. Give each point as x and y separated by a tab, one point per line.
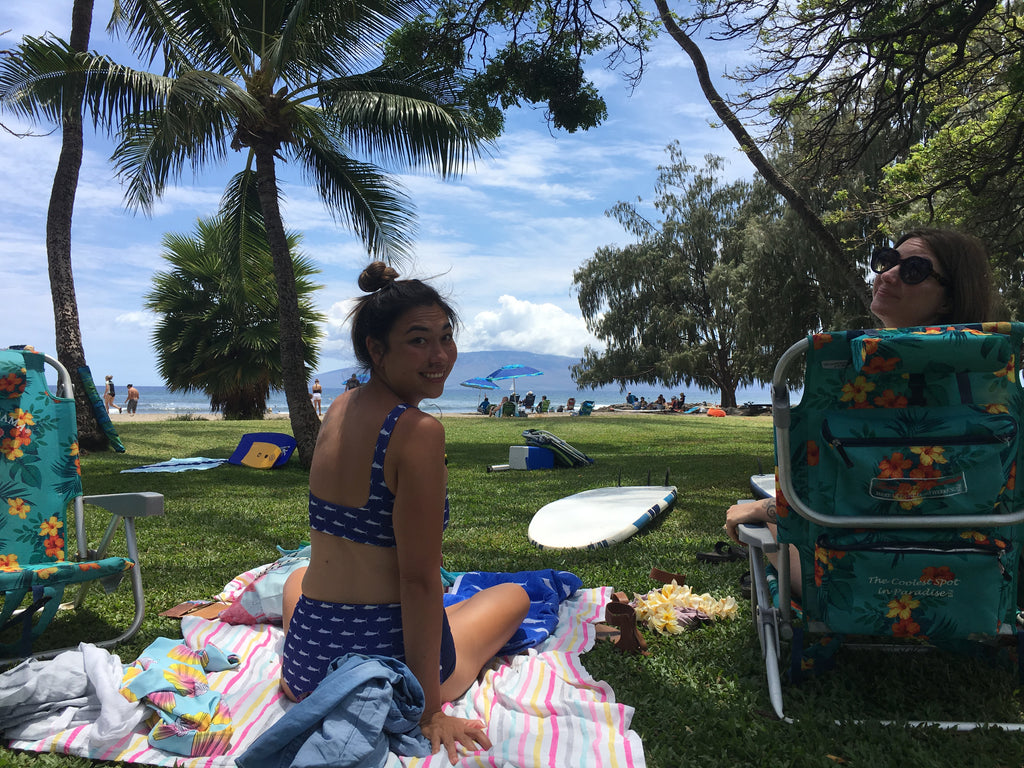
542	708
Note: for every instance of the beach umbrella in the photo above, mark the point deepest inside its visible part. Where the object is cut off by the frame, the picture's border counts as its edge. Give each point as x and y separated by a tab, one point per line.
477	383
513	371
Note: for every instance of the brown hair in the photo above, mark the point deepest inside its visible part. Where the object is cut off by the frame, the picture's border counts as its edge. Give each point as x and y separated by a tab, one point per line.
964	264
387	299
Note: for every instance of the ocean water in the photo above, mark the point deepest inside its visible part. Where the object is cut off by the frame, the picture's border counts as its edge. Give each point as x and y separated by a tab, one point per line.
456	399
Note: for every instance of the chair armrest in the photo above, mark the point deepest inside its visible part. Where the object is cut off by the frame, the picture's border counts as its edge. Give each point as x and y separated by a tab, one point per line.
141	504
758	536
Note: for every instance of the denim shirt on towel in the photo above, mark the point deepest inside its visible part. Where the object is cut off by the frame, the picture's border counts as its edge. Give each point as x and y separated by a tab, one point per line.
366	707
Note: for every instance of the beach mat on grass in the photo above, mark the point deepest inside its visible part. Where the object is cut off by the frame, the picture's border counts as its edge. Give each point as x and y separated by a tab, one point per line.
178	465
263	450
542	708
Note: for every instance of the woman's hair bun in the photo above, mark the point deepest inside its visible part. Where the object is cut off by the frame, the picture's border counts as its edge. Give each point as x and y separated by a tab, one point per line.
376	276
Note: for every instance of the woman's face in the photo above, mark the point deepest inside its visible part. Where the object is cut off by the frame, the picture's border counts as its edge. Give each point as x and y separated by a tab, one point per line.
421	352
899	305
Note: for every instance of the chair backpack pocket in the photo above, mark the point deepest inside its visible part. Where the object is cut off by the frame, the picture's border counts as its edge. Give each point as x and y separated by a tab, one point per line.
937	590
937	461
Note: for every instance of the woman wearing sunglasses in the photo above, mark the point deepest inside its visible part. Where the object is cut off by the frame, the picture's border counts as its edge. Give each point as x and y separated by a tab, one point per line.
931	276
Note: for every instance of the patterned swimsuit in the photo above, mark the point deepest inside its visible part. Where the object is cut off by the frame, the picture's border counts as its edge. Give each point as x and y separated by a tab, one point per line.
320	631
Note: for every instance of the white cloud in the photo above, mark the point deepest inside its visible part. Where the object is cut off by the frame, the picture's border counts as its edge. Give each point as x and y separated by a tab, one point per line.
524	325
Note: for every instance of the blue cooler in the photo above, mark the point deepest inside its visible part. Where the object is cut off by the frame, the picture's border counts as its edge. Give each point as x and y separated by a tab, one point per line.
530	457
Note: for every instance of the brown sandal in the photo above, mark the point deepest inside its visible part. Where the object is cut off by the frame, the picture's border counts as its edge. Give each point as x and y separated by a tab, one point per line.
623	616
667	577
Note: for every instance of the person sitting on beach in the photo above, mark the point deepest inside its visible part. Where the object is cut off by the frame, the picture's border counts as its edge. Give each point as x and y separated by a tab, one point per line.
484	407
658	404
529	400
352	382
378	504
545	405
630	398
932	276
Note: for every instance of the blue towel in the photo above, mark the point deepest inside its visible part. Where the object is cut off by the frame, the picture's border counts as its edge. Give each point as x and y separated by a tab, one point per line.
546	588
178	465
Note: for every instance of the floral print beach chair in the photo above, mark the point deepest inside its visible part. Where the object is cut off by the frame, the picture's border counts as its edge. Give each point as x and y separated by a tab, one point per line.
896	485
40	479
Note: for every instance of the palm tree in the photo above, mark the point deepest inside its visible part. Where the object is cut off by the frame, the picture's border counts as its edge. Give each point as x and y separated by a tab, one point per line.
285	80
67	329
218	331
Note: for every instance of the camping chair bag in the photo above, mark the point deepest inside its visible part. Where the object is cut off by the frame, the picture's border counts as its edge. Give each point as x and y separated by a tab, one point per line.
921	422
39	479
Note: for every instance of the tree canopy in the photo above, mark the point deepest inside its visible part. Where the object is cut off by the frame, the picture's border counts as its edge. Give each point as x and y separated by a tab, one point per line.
695	298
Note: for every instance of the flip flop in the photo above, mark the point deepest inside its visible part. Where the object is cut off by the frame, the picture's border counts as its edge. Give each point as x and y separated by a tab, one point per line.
724	553
667	577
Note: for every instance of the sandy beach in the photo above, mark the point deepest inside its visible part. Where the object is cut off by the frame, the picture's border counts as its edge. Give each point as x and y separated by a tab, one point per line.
125	416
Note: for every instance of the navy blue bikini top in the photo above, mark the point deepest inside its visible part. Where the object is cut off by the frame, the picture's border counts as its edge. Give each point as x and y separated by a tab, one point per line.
371	523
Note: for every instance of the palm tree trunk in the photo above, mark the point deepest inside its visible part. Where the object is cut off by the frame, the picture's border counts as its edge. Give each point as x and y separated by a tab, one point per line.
70	350
305	422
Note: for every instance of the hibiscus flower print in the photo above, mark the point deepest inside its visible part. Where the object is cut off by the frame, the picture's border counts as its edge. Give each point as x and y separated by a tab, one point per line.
902	606
929	454
857	390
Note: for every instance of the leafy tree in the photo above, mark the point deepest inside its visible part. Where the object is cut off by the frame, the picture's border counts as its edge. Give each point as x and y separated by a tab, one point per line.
218	331
690	300
294	80
939	80
932	89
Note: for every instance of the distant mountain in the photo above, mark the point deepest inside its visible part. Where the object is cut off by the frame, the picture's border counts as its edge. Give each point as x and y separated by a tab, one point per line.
556	375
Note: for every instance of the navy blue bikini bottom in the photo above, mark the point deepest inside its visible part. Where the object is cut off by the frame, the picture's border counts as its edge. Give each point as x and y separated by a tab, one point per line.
320	632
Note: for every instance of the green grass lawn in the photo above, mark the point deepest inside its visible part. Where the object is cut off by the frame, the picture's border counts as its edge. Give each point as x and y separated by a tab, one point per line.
700	697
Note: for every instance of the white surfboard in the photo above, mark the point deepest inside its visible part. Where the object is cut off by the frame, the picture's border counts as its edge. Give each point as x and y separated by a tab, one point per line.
763	486
599	517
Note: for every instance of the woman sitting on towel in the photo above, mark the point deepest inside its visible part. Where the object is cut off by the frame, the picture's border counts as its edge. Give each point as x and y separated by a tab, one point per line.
378	504
932	276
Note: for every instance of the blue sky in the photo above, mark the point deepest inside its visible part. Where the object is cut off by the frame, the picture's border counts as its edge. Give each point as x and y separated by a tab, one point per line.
502	240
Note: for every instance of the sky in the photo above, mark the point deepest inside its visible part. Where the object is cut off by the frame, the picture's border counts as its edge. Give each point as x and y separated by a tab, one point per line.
501	241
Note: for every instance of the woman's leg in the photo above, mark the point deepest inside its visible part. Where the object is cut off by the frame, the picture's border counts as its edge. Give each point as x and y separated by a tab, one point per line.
290	597
480	626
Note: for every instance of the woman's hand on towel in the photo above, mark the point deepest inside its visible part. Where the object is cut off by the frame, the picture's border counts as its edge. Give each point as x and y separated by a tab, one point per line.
450	731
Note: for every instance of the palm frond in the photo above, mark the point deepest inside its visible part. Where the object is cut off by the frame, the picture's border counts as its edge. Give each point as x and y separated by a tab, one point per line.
403	120
335	36
367	199
193	126
43	78
196	34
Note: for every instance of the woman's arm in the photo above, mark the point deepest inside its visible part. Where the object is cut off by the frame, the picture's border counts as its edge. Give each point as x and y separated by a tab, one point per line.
762	511
421	480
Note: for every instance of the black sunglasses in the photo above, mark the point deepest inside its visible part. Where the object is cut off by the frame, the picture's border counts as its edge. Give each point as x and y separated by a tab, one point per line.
913	269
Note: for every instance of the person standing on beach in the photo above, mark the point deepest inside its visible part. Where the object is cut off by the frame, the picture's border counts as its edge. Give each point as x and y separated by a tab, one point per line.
132	401
317	396
378	504
109	394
